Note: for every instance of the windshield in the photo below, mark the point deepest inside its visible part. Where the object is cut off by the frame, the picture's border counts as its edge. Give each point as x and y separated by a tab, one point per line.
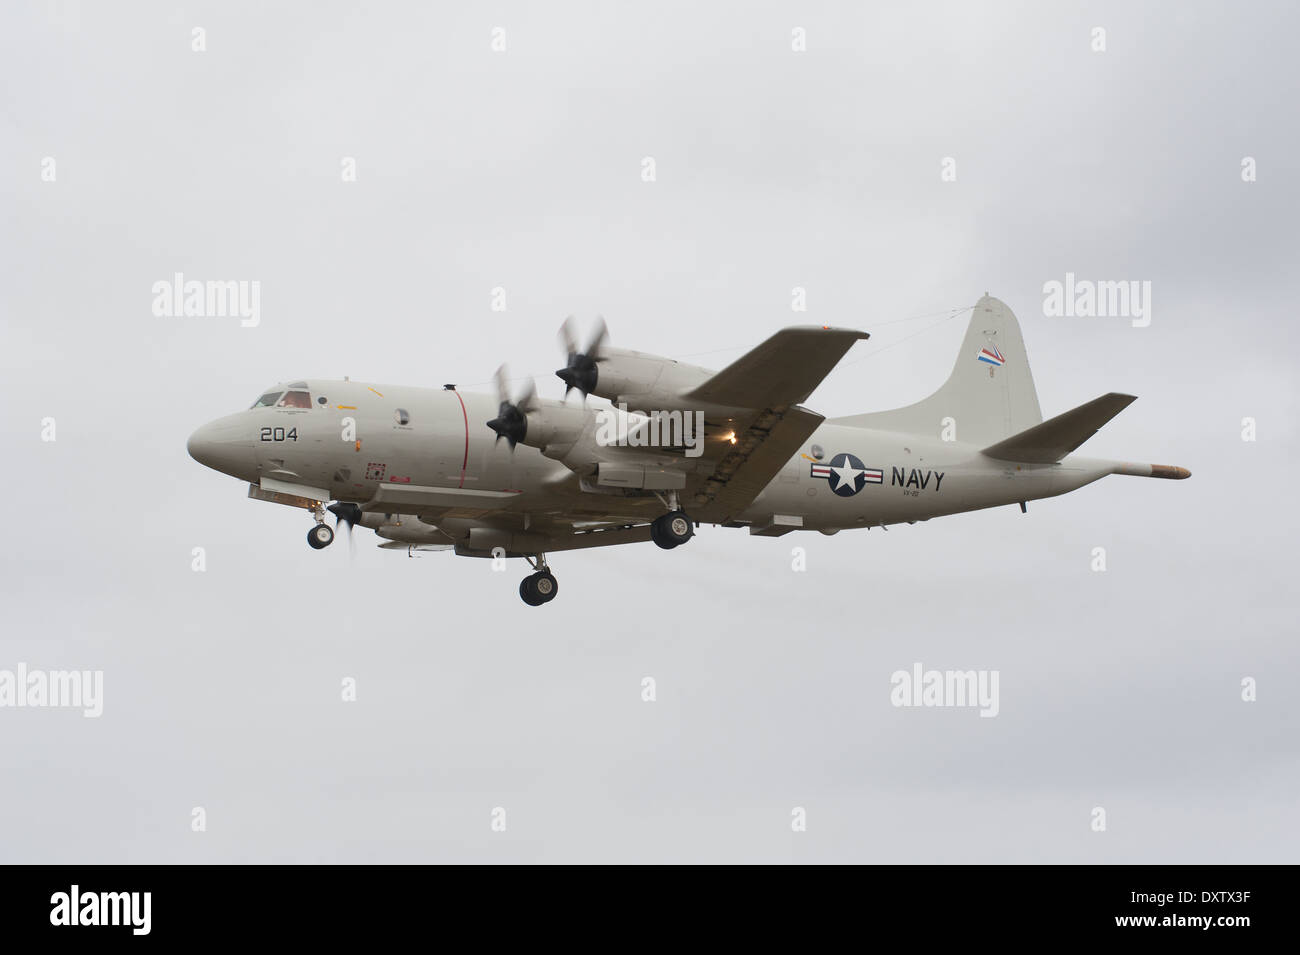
267	400
294	399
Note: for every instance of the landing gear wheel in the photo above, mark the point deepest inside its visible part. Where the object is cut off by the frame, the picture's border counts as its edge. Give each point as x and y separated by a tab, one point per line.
545	586
526	592
322	535
539	588
672	530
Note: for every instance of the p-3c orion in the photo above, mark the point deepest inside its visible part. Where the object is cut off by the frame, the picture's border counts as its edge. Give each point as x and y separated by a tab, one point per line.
427	468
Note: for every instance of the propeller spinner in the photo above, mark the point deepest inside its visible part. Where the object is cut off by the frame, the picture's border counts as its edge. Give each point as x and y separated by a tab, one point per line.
580	369
344	513
348	515
511	421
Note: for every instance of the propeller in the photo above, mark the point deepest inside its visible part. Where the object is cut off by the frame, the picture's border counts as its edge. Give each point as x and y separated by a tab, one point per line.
580	369
511	421
349	514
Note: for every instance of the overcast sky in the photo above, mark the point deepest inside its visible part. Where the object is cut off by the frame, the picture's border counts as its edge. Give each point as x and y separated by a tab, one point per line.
522	170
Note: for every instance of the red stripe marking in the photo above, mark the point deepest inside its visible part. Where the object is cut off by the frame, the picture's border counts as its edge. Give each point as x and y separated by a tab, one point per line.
465	460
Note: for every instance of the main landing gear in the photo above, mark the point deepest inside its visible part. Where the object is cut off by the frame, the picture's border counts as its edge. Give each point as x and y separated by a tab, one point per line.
322	535
674	528
540	587
671	530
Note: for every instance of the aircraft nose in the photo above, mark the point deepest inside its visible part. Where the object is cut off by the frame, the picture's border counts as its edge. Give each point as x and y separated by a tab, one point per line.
225	445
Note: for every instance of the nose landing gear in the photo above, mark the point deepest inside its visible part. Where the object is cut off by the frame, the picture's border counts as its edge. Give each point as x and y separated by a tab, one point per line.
322	535
540	587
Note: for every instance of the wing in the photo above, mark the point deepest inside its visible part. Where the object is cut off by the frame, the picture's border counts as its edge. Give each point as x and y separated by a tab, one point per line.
782	371
559	534
565	519
766	386
431	502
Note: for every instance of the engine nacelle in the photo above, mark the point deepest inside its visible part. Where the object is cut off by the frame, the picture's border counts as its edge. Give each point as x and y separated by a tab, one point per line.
553	428
641	380
404	528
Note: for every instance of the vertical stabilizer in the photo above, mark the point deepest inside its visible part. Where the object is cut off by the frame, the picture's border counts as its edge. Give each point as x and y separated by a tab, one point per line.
990	393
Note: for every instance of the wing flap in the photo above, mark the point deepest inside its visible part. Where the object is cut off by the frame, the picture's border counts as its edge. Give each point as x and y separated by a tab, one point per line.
761	450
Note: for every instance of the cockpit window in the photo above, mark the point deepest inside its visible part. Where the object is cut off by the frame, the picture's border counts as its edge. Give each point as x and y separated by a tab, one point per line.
295	399
268	399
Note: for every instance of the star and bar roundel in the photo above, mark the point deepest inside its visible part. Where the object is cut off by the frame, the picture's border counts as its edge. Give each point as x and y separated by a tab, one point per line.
847	475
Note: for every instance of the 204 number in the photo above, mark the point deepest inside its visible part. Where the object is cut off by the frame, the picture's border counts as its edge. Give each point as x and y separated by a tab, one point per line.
279	434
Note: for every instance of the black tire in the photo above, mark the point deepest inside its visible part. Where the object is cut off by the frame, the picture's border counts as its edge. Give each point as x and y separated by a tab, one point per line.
322	535
527	593
656	535
675	529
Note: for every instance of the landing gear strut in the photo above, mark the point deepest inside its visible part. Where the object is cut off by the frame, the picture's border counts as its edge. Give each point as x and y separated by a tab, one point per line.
322	535
540	587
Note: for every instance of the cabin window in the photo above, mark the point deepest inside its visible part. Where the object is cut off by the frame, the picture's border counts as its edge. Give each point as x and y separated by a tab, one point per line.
294	399
268	400
401	417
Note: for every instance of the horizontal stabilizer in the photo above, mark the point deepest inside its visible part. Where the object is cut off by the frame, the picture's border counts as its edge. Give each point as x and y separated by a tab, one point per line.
784	370
1052	440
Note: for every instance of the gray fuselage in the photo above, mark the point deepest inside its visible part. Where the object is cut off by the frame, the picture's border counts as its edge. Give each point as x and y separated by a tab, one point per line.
361	436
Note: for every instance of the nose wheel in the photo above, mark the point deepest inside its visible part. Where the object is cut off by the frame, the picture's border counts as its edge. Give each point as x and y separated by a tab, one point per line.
322	535
672	529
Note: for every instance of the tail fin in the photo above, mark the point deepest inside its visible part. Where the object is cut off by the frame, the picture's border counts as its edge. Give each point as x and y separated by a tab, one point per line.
990	393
